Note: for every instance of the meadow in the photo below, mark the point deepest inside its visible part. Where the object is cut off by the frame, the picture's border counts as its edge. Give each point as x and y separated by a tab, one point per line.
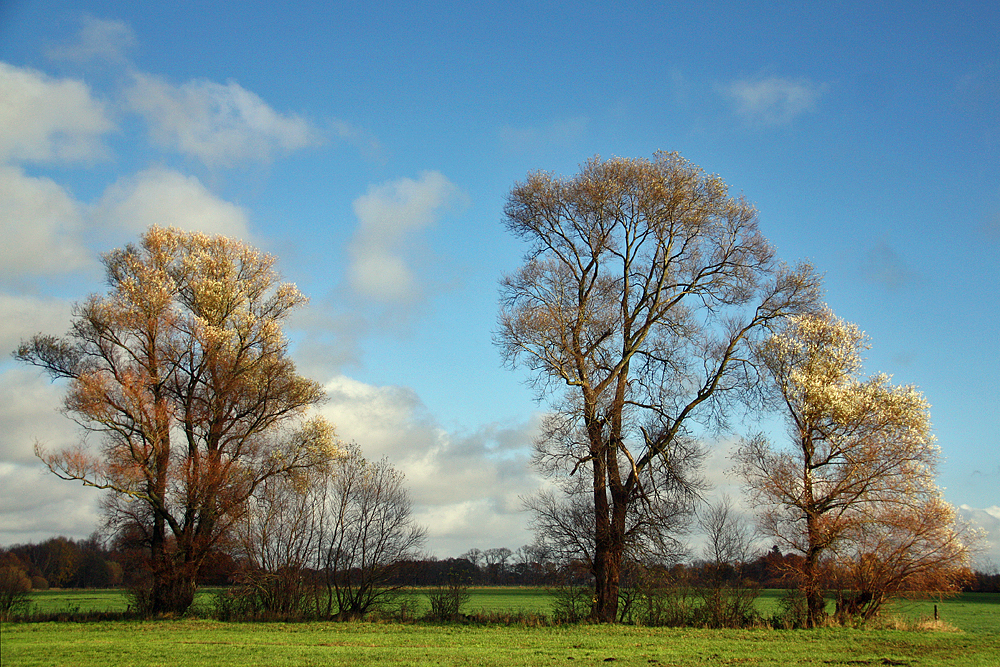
973	640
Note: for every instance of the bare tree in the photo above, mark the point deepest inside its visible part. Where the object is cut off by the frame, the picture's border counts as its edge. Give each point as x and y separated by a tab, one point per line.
642	287
278	539
858	478
366	532
730	540
182	370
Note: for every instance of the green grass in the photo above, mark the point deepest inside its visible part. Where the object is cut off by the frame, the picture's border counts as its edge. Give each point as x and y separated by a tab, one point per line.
970	612
87	600
196	643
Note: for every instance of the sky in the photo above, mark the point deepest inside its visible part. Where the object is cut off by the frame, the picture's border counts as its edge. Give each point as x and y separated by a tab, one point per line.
370	147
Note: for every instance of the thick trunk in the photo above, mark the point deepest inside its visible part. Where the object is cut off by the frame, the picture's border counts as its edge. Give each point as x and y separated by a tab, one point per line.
609	552
604	567
812	586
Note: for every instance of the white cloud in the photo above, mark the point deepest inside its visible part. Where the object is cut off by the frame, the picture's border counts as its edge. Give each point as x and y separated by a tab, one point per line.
987	520
560	133
29	411
40	223
164	197
98	40
24	316
466	488
35	505
773	100
388	216
221	125
44	119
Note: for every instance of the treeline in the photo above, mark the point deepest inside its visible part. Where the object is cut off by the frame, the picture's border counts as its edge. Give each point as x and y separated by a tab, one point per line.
62	562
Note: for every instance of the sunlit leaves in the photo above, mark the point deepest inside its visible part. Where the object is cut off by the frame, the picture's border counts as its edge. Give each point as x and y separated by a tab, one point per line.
182	369
857	480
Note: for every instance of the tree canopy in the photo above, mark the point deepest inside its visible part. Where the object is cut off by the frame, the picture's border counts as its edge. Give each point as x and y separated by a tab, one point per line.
854	492
182	371
643	285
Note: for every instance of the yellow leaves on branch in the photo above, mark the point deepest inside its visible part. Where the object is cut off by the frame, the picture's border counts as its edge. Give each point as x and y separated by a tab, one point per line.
182	367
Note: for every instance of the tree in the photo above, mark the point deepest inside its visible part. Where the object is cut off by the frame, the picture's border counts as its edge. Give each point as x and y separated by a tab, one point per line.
278	541
858	479
643	285
730	542
182	370
366	531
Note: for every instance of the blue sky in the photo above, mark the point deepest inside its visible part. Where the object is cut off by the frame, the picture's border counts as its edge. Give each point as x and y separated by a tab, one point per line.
371	146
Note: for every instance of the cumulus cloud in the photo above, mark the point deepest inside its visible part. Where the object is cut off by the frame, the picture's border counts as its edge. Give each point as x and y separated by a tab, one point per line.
466	487
223	125
559	133
35	505
164	197
772	100
987	520
388	217
41	224
30	413
98	40
25	316
44	119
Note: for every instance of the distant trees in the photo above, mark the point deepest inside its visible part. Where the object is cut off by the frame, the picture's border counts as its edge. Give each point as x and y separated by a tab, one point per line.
182	370
854	493
643	285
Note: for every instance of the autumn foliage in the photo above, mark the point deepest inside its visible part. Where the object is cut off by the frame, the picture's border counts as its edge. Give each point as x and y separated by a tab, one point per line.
854	491
182	371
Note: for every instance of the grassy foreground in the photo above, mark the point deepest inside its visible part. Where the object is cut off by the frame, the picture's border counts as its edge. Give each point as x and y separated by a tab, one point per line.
196	643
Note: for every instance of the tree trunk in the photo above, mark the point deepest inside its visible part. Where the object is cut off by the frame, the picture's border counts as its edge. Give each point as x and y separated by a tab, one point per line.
812	587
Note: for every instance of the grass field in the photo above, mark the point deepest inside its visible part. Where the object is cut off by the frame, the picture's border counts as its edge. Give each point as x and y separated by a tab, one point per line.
195	642
970	612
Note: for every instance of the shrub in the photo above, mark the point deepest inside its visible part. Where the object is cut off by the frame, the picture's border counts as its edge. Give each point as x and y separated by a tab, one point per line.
793	611
572	603
14	588
446	601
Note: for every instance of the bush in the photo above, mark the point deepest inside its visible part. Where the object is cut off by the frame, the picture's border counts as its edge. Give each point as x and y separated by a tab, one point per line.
572	603
446	601
14	588
792	611
666	606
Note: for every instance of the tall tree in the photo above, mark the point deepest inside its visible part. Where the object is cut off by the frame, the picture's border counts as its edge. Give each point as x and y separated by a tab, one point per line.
858	478
182	369
643	284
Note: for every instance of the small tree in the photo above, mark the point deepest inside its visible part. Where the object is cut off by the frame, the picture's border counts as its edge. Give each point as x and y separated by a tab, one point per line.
183	371
728	599
15	585
860	471
366	530
278	540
